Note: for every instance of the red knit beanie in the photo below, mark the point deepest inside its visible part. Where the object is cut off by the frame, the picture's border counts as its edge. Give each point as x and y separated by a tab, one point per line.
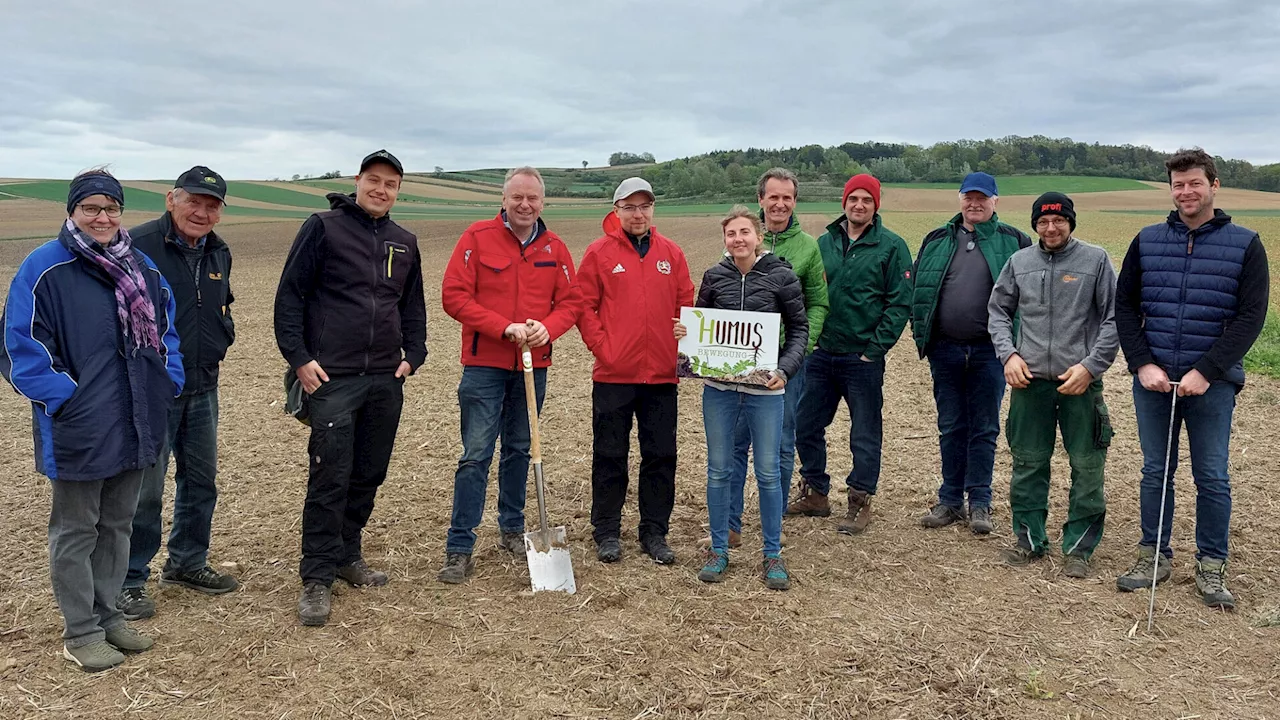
862	182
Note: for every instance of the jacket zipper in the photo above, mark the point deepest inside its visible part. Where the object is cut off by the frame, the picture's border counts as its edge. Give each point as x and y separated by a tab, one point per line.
373	299
1053	264
1182	296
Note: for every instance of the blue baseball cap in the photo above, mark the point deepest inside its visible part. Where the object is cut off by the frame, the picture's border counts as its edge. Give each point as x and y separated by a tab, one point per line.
981	182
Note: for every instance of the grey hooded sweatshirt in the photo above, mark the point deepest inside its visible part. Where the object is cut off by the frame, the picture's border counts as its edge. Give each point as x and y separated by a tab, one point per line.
1065	301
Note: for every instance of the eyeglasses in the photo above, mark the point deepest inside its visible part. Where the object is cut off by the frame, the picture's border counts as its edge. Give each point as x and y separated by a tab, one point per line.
1055	221
636	208
112	211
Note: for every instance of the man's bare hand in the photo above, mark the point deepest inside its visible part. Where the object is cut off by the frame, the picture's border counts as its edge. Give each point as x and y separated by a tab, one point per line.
1075	380
536	334
517	333
1016	372
1153	378
312	376
1193	383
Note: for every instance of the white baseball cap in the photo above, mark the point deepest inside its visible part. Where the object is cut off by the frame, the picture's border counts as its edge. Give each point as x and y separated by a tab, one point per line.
631	186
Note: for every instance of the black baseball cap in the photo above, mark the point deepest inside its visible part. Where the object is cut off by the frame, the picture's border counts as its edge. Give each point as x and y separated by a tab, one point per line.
382	156
200	180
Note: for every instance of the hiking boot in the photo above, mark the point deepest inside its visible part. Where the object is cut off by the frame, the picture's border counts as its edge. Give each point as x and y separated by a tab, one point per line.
608	550
1211	584
94	657
204	579
1019	556
512	542
980	519
735	541
942	515
774	573
716	565
1139	576
126	639
858	516
810	503
1075	566
457	567
313	606
656	547
359	574
134	604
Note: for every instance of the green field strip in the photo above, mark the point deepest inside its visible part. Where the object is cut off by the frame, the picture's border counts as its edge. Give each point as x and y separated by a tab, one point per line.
275	195
1037	184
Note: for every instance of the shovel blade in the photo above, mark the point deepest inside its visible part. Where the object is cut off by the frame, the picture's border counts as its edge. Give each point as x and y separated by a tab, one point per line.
550	566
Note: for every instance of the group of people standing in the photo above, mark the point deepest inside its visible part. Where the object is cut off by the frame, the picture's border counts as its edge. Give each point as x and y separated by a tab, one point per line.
105	328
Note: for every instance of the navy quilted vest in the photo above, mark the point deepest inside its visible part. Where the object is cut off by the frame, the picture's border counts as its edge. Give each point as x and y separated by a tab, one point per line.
1189	285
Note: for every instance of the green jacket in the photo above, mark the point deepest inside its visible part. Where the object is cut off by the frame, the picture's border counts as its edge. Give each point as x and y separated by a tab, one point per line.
869	286
800	249
998	243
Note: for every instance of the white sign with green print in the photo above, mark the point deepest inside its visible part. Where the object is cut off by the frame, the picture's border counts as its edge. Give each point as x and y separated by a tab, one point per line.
728	345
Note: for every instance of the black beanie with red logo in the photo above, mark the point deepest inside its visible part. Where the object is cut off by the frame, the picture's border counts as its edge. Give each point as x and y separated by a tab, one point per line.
1053	203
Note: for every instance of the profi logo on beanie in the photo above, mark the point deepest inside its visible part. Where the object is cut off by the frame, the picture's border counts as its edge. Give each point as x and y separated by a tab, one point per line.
1047	207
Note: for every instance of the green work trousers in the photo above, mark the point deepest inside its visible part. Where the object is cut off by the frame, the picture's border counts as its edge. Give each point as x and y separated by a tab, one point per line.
1034	412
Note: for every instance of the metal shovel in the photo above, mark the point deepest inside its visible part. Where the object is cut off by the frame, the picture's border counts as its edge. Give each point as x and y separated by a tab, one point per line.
547	548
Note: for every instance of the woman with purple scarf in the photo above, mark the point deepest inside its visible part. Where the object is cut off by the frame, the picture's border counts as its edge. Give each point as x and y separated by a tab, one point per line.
88	339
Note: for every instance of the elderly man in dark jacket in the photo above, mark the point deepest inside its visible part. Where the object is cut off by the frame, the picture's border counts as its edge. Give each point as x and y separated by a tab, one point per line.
197	265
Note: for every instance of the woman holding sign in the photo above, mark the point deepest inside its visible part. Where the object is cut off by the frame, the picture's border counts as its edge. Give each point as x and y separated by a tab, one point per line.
748	279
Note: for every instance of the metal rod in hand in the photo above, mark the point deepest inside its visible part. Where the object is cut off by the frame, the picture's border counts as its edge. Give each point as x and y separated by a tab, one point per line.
1164	491
535	444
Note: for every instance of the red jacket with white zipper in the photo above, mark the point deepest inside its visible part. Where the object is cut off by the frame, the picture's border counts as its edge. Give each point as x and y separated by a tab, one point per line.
630	304
491	282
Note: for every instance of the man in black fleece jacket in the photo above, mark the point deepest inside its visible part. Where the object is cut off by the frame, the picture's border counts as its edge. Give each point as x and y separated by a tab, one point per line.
350	319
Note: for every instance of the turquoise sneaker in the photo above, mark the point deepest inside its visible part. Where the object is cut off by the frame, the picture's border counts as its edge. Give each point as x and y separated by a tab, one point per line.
716	566
775	573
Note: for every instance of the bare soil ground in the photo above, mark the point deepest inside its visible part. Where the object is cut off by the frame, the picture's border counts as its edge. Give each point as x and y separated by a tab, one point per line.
898	623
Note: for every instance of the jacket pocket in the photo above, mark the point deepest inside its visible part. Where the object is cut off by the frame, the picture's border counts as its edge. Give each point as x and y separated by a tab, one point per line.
395	264
1102	430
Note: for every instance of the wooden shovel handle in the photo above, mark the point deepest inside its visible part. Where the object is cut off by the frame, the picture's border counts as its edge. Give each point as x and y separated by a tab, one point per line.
531	403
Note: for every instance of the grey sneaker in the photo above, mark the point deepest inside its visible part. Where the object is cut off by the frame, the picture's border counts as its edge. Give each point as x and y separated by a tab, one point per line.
359	574
1211	584
1075	566
942	515
1139	576
980	519
313	606
94	657
457	566
126	639
512	542
135	604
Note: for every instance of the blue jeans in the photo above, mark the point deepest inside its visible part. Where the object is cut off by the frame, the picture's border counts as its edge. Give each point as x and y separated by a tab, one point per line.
968	385
722	413
193	440
1208	420
492	402
786	452
829	377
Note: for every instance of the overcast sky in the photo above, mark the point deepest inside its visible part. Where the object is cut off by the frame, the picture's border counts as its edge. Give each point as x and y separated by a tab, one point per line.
275	87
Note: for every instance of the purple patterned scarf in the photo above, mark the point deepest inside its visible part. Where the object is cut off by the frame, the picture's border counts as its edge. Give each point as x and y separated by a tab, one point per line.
136	312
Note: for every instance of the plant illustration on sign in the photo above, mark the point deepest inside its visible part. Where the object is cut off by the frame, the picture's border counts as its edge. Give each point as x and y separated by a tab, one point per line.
728	345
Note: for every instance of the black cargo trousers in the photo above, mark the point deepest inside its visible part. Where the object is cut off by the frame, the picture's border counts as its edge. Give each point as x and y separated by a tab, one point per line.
354	419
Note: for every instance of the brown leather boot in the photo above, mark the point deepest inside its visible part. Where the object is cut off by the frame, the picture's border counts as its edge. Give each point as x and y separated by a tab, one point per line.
809	503
858	516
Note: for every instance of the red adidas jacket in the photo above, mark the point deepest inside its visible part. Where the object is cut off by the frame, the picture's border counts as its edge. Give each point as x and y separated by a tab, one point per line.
491	282
629	304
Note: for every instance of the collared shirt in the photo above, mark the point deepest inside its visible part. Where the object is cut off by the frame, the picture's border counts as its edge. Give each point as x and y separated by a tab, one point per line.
533	232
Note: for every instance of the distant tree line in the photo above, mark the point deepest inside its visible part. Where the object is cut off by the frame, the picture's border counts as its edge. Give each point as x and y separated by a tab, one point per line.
626	158
732	174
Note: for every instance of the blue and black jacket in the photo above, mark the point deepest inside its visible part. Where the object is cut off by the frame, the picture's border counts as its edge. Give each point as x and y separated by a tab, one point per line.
1192	299
98	408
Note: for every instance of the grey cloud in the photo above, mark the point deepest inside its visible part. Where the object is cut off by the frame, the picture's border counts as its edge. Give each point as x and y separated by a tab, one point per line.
262	89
